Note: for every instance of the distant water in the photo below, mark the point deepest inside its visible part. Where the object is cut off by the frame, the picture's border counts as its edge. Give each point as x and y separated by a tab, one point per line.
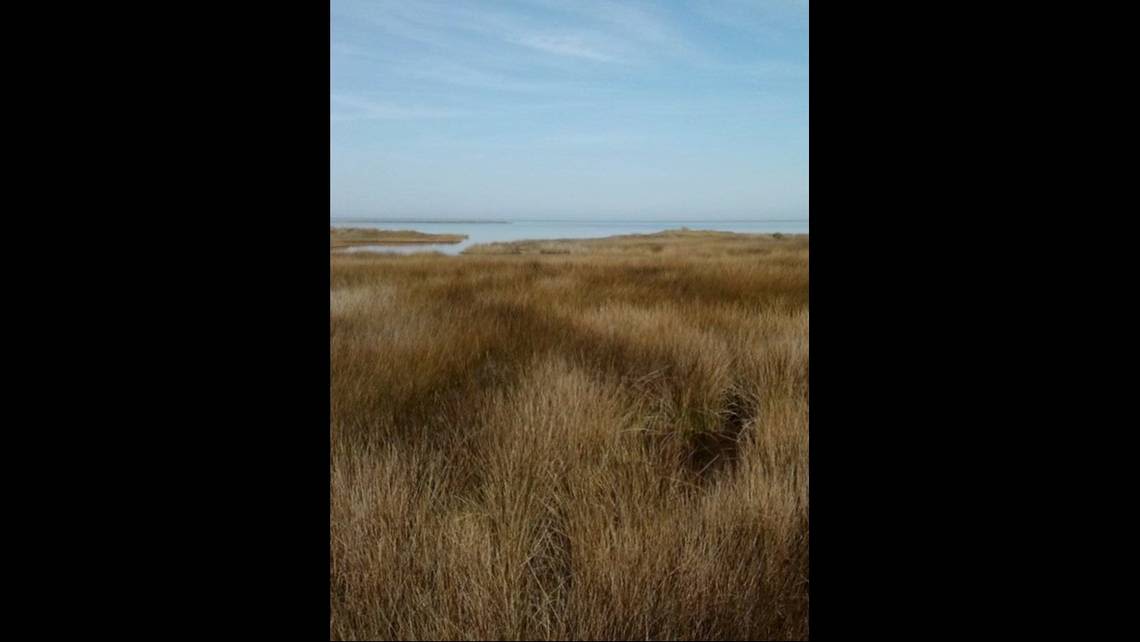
521	229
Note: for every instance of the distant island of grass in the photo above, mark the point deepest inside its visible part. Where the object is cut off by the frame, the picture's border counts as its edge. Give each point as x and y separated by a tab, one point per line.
681	241
340	237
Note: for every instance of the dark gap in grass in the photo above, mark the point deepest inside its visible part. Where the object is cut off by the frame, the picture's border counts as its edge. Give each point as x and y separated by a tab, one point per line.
717	450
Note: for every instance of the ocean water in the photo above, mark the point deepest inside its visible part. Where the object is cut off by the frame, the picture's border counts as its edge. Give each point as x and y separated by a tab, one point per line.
522	229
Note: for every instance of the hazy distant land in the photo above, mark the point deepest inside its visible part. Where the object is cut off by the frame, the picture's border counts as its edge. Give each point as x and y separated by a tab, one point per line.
345	236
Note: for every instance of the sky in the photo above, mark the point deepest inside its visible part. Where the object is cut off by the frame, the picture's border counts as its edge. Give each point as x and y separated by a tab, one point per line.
569	109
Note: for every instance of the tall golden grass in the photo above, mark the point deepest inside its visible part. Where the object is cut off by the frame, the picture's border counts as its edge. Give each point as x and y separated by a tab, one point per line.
567	440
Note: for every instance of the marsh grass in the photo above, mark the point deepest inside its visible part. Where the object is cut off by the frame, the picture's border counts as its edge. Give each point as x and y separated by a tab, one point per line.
603	439
341	237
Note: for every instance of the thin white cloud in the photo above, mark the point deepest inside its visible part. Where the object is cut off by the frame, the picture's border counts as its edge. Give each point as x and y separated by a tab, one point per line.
551	49
441	70
459	29
769	20
592	139
630	21
343	49
575	46
356	108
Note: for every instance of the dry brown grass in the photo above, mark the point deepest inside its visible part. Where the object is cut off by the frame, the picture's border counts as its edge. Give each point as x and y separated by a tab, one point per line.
609	443
345	236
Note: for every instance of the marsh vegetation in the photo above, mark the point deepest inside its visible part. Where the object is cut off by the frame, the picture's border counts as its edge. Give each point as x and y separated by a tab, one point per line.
601	439
340	237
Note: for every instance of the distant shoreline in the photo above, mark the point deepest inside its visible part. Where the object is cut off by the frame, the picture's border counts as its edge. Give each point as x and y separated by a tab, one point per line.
342	237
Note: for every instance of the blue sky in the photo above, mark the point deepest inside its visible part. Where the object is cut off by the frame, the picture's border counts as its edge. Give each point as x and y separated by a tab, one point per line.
570	109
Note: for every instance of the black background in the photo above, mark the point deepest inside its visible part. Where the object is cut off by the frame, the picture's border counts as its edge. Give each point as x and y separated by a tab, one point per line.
225	157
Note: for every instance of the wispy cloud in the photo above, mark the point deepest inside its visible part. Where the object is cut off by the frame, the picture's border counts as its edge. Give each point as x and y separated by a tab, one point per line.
604	32
573	45
590	104
342	49
770	20
356	108
645	29
448	73
451	59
